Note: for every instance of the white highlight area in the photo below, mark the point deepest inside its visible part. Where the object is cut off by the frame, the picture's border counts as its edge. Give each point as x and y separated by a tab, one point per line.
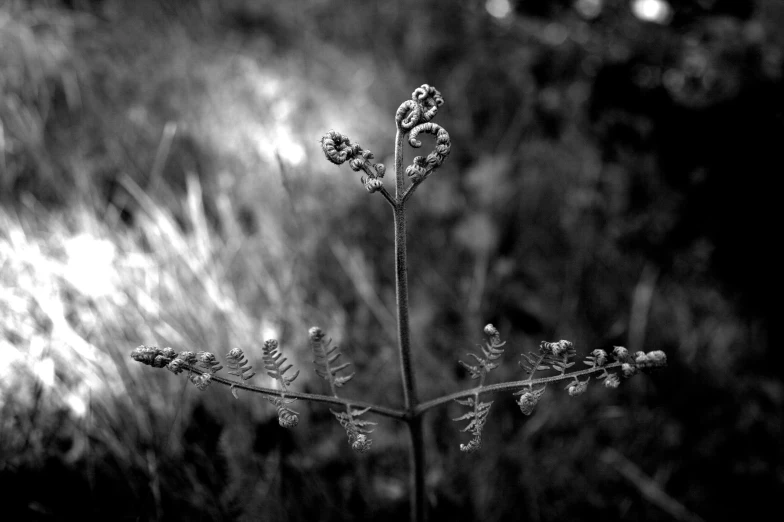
657	11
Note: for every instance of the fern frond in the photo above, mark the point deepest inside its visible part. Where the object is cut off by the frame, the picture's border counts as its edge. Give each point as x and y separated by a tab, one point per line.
529	398
491	351
324	357
552	356
356	429
287	418
477	418
273	363
238	366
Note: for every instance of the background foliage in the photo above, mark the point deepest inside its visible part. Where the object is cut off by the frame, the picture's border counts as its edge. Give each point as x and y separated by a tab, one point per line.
611	182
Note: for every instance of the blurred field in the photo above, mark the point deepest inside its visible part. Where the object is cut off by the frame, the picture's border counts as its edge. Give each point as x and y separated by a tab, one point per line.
611	183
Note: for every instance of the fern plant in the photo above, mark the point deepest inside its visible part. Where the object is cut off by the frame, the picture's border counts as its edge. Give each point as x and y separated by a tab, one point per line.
412	119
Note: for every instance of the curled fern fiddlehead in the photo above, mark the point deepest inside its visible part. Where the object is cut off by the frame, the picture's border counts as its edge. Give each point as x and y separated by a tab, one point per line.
273	363
421	108
324	360
338	149
491	351
421	166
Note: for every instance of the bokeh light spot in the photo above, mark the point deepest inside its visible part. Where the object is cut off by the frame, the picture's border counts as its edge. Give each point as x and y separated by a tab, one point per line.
498	8
589	9
657	11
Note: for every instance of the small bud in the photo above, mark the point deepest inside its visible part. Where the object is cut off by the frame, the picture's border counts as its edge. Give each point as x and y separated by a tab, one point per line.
235	353
361	443
316	334
657	359
270	345
145	354
201	381
207	358
287	418
153	356
600	357
527	403
628	370
208	361
160	361
577	387
188	357
612	381
529	399
557	348
640	359
620	353
373	185
492	332
176	366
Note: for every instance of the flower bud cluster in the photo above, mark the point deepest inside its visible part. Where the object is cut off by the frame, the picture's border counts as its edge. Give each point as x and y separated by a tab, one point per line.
557	348
153	356
654	359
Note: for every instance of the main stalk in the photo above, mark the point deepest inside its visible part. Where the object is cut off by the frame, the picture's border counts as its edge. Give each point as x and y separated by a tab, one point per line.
416	455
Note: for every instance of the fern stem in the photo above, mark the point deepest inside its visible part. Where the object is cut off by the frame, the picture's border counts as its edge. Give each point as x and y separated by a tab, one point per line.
417	470
381	410
509	386
417	464
401	282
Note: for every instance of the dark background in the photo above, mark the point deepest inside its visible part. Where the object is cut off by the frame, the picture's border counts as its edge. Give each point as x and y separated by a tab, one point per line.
611	182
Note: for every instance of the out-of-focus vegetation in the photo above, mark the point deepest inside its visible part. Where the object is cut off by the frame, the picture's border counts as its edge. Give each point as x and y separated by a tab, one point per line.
611	182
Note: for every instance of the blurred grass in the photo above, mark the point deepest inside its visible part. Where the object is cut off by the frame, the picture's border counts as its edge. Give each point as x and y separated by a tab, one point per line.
161	184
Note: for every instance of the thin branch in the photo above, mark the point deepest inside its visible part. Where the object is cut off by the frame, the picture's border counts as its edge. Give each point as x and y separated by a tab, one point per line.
381	410
509	386
384	192
416	456
410	189
388	197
